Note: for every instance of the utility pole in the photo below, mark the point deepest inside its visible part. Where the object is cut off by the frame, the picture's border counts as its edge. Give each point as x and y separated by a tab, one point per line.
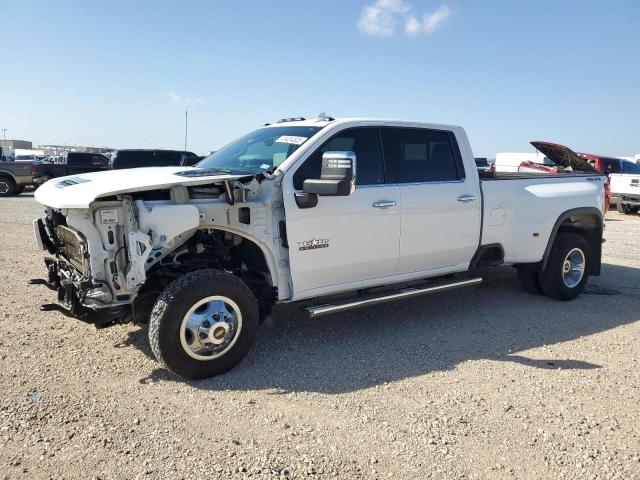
186	128
4	136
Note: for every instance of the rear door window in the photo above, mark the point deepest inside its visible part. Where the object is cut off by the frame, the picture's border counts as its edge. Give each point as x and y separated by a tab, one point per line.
416	155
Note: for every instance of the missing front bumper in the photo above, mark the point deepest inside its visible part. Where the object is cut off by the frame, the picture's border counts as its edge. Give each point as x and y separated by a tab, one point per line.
69	295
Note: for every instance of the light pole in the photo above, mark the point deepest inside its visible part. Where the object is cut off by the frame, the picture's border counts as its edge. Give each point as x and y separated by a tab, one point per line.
186	128
4	136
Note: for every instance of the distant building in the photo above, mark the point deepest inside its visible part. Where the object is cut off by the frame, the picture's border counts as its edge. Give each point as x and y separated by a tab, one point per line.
13	144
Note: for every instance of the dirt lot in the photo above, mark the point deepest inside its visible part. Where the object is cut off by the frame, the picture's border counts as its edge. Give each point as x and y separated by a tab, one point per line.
482	383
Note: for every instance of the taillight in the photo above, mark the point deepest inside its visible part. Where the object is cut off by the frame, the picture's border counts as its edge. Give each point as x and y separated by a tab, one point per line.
33	170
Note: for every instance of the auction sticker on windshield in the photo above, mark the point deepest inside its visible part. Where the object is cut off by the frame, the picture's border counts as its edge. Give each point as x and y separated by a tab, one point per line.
291	139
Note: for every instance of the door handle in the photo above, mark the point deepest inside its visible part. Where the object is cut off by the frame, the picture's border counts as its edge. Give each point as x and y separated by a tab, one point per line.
384	204
466	198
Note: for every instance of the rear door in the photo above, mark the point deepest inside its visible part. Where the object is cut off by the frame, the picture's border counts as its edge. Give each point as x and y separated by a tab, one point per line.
441	208
344	242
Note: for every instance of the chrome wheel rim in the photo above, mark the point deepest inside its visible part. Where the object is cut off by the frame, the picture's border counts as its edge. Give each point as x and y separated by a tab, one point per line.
210	328
573	268
4	187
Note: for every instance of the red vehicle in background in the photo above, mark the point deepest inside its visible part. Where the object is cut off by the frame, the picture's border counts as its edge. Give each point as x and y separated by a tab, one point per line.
604	165
565	158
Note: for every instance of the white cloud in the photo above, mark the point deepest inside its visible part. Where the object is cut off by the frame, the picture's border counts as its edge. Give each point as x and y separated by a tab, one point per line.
412	25
436	19
383	17
182	100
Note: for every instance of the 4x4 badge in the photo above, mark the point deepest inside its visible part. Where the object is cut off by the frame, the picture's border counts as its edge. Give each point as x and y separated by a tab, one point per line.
313	244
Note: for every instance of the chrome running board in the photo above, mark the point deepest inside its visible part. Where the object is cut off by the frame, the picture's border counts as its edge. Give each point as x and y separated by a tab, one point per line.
326	309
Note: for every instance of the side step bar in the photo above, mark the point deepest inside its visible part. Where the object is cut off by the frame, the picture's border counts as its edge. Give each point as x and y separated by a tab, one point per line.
326	309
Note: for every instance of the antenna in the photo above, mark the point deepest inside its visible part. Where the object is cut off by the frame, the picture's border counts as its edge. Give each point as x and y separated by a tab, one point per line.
186	128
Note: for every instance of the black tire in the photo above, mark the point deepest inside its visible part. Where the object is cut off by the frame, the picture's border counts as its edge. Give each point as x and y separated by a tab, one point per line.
624	208
7	187
551	278
173	304
529	276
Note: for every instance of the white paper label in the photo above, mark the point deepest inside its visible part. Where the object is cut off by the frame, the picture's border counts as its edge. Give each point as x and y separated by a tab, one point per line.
109	216
291	139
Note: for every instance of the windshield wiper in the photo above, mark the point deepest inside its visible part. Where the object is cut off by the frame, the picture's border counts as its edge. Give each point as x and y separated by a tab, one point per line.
203	172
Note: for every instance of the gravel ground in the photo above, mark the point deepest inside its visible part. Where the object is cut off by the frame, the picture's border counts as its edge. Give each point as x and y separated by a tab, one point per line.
487	382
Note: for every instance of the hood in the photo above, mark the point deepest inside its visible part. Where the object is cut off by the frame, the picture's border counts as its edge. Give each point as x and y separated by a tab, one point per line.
563	156
79	191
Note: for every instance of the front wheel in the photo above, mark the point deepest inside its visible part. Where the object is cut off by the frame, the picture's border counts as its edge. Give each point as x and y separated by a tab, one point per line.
203	324
567	269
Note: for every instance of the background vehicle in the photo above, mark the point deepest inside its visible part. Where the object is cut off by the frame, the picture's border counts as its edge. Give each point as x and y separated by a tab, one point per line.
73	163
607	166
625	187
152	158
510	162
27	155
15	177
336	214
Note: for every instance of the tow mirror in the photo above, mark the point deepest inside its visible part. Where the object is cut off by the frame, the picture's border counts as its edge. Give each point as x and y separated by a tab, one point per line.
338	176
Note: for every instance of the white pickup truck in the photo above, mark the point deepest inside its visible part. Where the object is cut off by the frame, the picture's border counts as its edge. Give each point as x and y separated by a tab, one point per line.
334	214
625	188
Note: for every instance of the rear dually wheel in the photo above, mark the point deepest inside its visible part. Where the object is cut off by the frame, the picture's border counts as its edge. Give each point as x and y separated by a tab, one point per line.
567	270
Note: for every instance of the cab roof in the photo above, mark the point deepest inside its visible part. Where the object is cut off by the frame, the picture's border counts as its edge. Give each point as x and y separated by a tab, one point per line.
323	122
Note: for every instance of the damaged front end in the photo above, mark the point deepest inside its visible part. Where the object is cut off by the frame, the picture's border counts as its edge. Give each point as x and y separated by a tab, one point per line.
79	293
101	254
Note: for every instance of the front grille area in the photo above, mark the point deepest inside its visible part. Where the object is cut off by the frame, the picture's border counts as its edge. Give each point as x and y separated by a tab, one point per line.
72	246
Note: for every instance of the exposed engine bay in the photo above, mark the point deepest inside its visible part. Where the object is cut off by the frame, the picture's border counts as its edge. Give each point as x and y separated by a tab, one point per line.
112	260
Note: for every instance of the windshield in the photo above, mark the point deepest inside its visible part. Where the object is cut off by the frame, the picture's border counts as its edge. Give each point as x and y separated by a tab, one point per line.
258	151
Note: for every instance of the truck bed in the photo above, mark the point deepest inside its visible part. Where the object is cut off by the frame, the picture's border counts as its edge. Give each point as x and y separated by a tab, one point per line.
530	175
520	213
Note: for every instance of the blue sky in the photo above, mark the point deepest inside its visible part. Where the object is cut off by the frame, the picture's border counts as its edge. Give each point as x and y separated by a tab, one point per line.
122	73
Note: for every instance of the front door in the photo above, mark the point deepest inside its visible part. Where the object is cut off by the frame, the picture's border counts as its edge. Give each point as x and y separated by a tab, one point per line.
347	241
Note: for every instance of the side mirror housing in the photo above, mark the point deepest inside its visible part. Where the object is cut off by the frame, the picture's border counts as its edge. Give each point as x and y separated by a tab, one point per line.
338	177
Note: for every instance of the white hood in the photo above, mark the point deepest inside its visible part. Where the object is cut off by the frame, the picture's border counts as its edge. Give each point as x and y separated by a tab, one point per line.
79	191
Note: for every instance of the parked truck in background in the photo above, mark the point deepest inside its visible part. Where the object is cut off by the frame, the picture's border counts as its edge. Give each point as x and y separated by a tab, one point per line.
73	163
84	162
625	188
135	158
331	214
15	177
